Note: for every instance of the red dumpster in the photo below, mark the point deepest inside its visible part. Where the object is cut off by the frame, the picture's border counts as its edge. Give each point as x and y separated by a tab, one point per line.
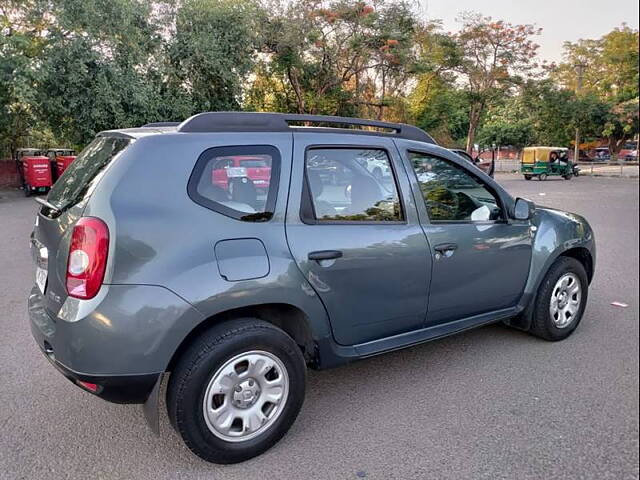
60	158
36	174
62	162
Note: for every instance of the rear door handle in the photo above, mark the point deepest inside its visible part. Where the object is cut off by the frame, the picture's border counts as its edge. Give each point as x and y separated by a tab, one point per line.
325	255
446	249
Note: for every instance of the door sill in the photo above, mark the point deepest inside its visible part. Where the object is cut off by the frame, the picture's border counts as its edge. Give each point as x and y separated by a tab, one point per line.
332	354
432	332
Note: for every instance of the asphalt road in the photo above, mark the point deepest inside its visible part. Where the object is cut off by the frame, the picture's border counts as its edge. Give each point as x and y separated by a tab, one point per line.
492	403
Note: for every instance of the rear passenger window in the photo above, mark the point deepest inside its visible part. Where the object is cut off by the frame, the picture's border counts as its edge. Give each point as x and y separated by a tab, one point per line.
240	182
351	185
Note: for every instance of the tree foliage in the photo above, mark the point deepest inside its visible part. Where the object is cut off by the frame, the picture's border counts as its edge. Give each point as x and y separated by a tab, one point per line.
71	68
336	57
610	81
493	56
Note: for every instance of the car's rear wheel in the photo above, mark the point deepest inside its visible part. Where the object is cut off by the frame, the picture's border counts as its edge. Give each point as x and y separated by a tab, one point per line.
542	177
527	177
236	390
561	300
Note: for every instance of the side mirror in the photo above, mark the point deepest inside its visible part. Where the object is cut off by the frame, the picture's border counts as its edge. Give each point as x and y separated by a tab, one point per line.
523	209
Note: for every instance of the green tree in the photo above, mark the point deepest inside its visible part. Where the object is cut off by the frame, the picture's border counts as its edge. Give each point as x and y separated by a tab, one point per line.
621	125
437	106
21	44
610	78
93	74
507	124
493	55
212	52
336	57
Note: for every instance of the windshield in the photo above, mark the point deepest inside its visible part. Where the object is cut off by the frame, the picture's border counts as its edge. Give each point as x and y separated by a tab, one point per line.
71	187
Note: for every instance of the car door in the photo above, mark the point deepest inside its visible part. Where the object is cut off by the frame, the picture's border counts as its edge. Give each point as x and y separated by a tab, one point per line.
356	236
480	258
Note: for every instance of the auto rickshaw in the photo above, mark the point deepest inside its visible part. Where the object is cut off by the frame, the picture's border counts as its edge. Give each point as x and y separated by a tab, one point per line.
60	159
543	162
34	169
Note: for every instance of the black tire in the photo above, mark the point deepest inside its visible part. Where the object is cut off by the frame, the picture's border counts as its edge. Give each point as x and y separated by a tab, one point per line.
527	177
197	365
542	324
542	177
568	176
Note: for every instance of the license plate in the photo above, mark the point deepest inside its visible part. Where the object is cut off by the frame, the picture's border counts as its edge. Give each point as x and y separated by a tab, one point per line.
41	278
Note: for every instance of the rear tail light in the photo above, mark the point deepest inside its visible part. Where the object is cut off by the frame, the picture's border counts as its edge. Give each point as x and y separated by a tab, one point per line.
87	257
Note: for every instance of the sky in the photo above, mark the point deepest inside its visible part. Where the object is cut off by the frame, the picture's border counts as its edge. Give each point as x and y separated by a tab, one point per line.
560	19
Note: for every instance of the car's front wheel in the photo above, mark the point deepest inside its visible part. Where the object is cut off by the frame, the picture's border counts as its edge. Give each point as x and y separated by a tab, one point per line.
236	390
561	300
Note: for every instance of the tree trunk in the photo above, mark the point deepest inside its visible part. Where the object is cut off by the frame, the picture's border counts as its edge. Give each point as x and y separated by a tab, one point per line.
293	80
382	94
615	145
474	121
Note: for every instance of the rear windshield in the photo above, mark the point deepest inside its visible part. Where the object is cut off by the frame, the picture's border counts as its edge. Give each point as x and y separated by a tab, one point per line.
76	179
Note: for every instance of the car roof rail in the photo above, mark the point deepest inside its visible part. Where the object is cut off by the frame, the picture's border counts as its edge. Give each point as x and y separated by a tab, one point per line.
285	122
160	124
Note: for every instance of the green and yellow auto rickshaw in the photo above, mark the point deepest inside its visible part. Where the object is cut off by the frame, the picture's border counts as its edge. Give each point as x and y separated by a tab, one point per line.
543	162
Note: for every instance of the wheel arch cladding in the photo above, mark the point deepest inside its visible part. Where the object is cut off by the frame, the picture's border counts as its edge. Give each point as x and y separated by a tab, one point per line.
289	318
557	234
583	255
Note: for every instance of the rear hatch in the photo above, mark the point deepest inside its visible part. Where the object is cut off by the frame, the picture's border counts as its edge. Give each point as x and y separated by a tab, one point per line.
60	212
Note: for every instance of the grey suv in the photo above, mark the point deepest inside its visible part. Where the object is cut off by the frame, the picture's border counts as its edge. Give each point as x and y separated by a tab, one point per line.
233	250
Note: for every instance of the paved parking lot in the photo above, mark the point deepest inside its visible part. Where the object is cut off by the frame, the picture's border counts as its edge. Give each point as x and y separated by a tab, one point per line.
488	404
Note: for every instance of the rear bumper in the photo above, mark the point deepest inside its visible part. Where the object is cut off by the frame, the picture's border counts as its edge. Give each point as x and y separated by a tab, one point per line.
116	389
113	388
122	343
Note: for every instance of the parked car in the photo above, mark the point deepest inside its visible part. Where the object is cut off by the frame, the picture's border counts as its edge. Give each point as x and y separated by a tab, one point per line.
629	152
601	154
146	266
256	168
487	166
377	165
582	156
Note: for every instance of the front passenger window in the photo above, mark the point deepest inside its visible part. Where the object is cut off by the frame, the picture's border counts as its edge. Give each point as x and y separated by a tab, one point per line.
451	193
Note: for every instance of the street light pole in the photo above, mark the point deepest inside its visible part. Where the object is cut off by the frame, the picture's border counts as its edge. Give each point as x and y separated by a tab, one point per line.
580	71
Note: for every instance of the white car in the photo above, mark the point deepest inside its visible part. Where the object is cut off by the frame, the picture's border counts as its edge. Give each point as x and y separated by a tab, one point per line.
379	168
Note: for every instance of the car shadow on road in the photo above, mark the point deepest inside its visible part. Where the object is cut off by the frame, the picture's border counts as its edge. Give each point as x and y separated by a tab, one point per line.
339	399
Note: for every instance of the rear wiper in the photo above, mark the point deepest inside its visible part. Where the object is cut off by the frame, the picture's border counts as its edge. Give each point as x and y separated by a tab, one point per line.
50	206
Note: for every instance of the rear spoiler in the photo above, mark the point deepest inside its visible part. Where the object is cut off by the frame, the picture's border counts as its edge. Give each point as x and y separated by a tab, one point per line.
50	206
